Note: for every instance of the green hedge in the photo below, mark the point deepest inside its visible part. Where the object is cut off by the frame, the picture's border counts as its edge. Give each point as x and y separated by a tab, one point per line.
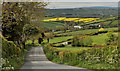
108	56
9	49
12	56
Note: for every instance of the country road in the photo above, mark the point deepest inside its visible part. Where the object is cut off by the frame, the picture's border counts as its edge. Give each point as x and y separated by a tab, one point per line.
37	61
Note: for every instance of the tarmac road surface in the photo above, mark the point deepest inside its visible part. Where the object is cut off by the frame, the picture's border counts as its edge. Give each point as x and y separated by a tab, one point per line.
37	61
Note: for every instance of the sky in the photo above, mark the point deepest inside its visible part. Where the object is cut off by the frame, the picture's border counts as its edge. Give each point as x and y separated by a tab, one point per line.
82	0
80	3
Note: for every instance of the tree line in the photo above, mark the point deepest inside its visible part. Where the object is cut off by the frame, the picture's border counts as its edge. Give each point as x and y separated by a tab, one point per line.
19	21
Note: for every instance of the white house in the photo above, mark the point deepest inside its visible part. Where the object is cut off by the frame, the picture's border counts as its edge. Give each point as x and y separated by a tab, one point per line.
78	27
65	43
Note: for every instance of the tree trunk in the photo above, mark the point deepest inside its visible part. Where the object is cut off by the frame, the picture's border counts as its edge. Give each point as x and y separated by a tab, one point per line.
48	40
23	43
33	41
40	40
18	44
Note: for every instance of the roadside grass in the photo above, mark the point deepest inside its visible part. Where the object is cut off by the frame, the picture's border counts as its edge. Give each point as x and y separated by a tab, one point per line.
92	59
101	66
18	62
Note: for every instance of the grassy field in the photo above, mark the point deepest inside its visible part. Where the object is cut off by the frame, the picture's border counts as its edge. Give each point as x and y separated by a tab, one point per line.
79	32
30	42
99	39
114	23
70	48
60	39
87	31
53	40
52	25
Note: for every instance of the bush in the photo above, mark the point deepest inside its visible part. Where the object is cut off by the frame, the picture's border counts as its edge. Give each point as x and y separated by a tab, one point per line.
107	55
82	41
88	41
58	45
11	55
49	51
9	49
77	40
112	39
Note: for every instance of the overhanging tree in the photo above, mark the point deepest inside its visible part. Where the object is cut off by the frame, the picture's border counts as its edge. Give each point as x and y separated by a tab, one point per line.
17	14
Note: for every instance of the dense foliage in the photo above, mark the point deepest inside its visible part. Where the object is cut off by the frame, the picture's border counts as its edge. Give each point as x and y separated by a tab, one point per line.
15	15
18	25
108	56
82	40
11	55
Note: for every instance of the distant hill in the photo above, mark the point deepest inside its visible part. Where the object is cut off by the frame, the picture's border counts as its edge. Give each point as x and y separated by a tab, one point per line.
101	7
83	12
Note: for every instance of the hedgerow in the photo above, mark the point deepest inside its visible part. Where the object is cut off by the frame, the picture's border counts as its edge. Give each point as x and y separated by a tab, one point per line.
105	55
12	56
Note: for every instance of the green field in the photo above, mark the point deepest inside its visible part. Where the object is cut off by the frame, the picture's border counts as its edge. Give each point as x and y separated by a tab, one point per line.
59	39
51	25
99	39
30	41
114	23
70	48
87	31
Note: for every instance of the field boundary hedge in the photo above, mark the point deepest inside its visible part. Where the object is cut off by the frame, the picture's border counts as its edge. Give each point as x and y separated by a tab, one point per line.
106	55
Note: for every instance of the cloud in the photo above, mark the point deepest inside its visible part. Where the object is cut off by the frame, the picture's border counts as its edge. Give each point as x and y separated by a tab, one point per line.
80	4
82	0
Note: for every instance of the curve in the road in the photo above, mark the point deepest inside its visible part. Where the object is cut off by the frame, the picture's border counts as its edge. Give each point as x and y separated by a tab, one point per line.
36	60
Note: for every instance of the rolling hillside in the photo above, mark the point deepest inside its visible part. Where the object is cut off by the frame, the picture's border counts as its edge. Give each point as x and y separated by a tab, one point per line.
83	12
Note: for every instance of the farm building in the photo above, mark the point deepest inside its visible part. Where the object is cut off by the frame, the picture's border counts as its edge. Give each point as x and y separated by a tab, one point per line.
78	27
94	26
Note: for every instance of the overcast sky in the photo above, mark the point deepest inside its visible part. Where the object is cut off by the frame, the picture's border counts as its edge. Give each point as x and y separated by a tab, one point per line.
82	0
80	3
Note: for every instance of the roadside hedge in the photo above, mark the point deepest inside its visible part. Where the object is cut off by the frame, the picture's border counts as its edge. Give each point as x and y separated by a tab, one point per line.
9	49
107	55
12	56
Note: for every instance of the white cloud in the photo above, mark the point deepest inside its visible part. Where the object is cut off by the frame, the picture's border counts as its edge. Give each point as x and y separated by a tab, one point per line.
80	4
81	0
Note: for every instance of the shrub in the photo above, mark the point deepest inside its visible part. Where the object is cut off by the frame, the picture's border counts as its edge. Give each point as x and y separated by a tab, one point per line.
106	55
9	49
11	55
78	40
75	40
82	41
111	40
88	41
59	45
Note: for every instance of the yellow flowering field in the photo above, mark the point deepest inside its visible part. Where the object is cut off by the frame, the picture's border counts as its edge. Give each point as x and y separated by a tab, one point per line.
85	20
